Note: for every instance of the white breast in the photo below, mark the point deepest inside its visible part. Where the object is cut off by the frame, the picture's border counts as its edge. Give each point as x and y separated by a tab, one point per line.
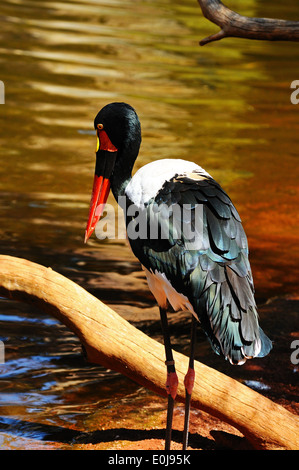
149	179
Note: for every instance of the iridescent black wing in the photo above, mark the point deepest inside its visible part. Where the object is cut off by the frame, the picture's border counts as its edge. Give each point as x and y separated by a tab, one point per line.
195	237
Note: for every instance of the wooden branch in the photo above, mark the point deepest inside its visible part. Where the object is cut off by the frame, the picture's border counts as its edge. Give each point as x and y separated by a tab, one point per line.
111	341
234	25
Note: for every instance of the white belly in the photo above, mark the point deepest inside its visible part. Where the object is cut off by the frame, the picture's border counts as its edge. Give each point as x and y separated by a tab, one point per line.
163	291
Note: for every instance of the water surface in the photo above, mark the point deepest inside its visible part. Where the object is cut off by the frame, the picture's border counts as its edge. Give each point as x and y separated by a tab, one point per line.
225	106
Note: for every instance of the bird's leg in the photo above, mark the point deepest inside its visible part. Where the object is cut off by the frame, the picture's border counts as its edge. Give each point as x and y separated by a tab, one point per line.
189	383
172	379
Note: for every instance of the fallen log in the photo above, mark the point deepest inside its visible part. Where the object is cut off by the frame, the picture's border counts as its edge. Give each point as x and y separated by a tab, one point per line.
111	341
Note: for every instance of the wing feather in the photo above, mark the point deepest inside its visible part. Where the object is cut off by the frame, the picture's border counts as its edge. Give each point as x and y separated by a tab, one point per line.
216	276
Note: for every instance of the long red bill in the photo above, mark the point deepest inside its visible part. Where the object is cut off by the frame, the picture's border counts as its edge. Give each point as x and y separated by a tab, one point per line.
100	192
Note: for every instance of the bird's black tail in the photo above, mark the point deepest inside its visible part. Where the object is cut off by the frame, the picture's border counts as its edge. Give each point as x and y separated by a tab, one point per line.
266	344
229	317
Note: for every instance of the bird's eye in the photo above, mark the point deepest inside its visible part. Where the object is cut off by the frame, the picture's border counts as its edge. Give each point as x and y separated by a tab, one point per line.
100	126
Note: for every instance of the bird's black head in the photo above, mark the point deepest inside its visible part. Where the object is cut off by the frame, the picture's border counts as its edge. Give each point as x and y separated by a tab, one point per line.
121	123
118	141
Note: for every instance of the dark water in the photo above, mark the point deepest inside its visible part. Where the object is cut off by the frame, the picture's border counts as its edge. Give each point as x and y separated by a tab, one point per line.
226	106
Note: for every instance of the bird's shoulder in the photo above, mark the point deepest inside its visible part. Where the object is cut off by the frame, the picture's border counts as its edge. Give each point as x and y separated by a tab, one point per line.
197	187
191	220
150	178
206	211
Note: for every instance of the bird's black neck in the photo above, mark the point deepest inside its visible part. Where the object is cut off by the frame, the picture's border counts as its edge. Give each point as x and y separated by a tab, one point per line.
122	173
127	154
120	179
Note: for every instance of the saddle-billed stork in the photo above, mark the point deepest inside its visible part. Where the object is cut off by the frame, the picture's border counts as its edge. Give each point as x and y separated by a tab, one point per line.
208	273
